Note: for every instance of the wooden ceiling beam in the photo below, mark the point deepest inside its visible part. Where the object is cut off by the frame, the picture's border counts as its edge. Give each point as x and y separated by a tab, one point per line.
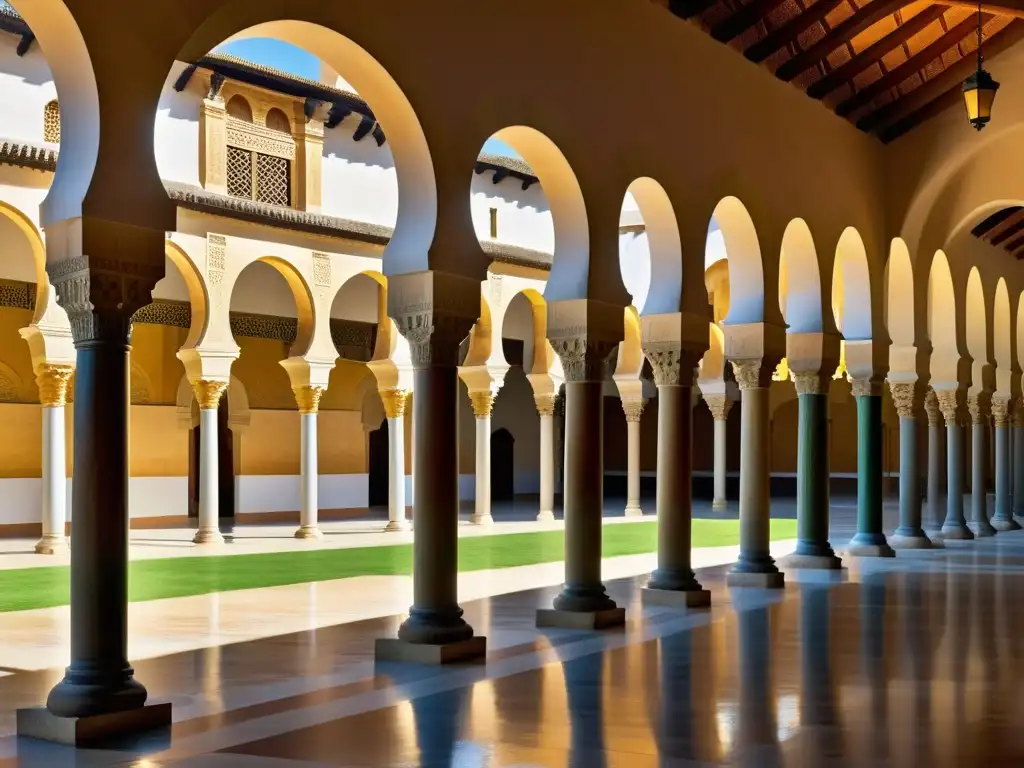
1014	8
1015	245
686	9
790	31
894	77
874	52
743	19
839	35
897	118
1004	226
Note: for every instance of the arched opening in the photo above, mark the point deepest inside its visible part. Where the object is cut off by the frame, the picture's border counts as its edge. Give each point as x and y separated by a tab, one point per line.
851	288
503	474
650	251
899	295
278	121
975	314
732	237
942	324
1002	346
238	108
799	280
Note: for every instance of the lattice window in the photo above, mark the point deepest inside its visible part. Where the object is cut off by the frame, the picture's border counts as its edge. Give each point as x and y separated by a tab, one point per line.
240	173
51	122
255	176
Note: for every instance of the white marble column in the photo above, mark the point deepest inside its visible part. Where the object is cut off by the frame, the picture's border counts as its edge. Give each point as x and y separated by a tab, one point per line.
53	388
634	410
394	407
720	405
483	402
308	400
209	393
546	410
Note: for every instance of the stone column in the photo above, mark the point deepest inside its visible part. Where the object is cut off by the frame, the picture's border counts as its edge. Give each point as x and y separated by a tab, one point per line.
634	410
394	408
674	583
308	400
955	526
720	405
977	406
812	488
483	403
755	566
936	463
583	602
1003	520
53	391
1018	458
869	540
209	393
908	534
546	410
435	631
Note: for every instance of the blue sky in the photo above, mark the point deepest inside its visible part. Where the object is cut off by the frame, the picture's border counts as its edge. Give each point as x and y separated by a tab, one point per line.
293	60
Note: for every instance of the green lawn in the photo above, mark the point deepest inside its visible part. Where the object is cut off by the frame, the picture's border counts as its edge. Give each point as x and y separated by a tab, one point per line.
29	588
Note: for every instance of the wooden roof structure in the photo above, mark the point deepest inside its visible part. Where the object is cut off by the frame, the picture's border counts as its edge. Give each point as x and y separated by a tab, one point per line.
884	65
1004	229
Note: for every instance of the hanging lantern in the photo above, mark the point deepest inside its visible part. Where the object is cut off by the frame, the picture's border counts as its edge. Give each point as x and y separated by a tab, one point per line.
979	90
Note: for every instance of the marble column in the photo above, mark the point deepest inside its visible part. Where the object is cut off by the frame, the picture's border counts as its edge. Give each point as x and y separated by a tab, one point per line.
546	409
955	526
908	534
1003	520
483	403
1018	458
673	582
936	464
209	393
720	405
308	400
99	680
812	483
755	565
977	407
53	383
869	540
394	408
634	410
583	601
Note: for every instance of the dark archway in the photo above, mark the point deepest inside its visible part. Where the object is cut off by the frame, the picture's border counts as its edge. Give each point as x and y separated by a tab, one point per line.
380	469
225	465
502	465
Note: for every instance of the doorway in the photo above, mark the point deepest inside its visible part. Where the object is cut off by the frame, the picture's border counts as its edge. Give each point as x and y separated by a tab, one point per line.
380	469
502	465
225	465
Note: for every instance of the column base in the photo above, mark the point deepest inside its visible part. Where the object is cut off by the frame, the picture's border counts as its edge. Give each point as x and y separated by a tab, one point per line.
814	562
394	649
52	545
481	520
956	532
981	530
910	541
545	516
40	723
208	536
674	598
766	580
1018	512
1005	524
398	525
309	532
552	617
719	505
867	549
634	512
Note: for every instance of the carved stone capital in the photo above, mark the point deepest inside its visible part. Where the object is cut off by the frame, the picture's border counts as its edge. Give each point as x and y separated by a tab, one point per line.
904	395
751	374
583	359
209	393
394	402
433	339
867	386
434	311
308	398
672	364
1001	411
720	405
931	407
545	404
634	409
977	407
810	382
949	404
483	403
53	380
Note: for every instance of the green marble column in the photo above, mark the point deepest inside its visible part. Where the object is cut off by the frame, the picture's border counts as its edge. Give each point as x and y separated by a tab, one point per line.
870	540
812	477
908	534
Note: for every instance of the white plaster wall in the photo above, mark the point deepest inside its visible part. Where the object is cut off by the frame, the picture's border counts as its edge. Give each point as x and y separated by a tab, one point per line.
635	266
176	131
24	188
172	287
280	493
155	497
26	86
358	177
524	218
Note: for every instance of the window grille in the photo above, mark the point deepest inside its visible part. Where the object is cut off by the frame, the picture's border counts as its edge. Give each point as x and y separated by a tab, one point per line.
240	172
255	176
51	122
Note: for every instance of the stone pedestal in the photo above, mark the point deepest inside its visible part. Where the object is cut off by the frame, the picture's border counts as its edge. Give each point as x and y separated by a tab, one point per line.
95	730
555	618
394	649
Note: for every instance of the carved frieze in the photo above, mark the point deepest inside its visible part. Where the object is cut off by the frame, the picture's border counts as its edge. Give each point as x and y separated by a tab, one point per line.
257	138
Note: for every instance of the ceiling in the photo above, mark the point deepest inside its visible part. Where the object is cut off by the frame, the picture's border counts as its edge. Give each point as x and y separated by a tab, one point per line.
1004	229
884	65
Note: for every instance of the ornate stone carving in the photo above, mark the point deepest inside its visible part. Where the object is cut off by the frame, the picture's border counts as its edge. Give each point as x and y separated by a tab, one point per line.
719	405
308	398
1001	411
17	295
545	404
903	397
977	407
949	404
394	402
209	393
321	270
257	138
433	338
483	403
931	407
216	262
672	365
749	374
53	380
810	383
634	409
583	359
866	386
